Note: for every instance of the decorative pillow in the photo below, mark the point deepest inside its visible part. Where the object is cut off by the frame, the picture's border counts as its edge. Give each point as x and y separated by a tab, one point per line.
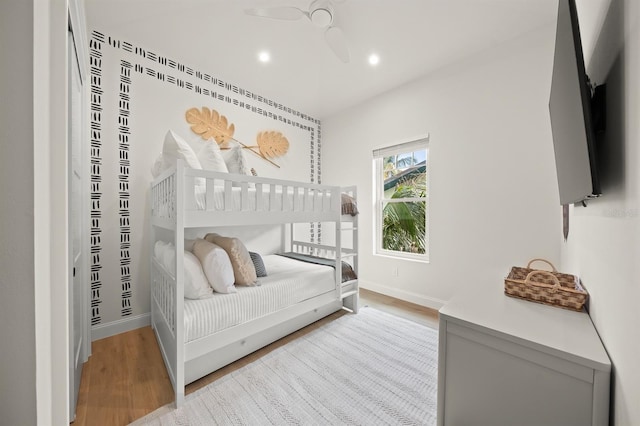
158	251
196	285
158	165
169	258
188	244
216	265
175	147
210	157
236	163
258	263
243	269
349	205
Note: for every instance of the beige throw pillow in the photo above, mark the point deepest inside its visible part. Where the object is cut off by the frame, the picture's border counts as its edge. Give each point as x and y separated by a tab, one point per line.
243	269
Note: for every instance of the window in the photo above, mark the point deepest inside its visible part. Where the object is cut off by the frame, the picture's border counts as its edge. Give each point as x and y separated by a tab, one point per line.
400	176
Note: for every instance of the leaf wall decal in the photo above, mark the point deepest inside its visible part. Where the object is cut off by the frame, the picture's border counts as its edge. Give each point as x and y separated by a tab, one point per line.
272	144
209	124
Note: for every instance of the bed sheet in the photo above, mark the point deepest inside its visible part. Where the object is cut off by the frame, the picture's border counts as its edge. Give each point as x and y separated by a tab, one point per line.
288	282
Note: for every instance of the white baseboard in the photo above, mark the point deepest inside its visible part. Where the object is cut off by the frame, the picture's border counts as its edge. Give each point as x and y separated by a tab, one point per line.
407	296
123	325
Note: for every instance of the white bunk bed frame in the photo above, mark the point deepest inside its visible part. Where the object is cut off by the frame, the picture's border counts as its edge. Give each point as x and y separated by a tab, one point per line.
174	208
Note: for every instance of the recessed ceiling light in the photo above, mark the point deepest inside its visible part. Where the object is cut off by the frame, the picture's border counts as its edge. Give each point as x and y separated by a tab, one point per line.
374	59
264	56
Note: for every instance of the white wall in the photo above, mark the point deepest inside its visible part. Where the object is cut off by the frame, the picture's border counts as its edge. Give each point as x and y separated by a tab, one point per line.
493	194
33	224
17	309
604	238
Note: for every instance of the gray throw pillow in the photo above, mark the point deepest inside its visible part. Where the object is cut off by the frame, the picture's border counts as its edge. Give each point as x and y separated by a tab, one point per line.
261	271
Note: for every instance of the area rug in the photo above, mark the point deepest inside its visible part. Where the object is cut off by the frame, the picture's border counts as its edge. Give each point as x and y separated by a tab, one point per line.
370	368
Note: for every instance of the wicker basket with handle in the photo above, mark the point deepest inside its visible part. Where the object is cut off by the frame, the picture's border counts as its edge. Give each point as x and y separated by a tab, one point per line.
548	287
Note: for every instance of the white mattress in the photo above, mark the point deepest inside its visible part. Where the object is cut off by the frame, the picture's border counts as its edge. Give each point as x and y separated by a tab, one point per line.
288	282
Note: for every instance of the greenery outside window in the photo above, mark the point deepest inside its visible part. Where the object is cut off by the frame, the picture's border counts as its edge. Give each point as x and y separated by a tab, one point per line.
401	183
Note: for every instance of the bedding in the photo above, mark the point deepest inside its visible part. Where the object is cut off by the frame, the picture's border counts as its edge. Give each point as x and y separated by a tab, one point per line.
175	147
349	205
348	273
243	269
210	157
258	263
236	163
289	282
216	265
196	285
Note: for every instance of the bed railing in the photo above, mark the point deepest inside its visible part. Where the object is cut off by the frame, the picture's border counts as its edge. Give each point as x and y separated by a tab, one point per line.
320	250
163	292
235	198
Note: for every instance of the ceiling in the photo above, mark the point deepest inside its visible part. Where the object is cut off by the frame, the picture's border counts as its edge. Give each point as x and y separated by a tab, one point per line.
412	38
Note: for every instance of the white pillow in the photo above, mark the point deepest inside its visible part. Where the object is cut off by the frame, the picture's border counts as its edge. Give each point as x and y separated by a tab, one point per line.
158	251
175	147
196	285
211	158
216	266
236	163
158	166
188	244
169	258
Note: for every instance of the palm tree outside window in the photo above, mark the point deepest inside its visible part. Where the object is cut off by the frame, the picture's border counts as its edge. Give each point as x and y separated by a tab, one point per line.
401	176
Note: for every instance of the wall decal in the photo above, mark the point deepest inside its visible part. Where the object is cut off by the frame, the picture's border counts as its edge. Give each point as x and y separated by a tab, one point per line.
271	144
95	232
209	124
123	193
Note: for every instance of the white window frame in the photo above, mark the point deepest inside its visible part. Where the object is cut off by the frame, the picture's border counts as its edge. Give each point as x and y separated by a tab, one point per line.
379	200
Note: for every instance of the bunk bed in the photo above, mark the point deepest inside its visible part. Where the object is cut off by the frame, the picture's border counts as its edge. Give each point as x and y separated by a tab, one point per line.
192	341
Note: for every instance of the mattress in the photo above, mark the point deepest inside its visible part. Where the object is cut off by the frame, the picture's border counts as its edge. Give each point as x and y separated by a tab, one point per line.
288	282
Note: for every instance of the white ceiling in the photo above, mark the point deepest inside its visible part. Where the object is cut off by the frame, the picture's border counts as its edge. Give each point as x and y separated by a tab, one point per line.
412	38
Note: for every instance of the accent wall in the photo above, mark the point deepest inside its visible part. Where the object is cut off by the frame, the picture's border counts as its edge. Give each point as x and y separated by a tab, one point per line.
137	95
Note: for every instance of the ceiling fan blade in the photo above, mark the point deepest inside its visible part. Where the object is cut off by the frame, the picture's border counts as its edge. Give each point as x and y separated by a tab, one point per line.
336	41
287	13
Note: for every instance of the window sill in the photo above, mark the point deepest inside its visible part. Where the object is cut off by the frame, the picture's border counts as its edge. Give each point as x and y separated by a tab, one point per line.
410	258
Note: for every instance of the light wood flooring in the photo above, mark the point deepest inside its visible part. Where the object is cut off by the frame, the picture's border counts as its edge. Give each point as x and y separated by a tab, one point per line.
125	377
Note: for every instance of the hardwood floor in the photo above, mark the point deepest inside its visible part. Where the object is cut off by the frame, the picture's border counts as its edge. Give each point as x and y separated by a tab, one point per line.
125	377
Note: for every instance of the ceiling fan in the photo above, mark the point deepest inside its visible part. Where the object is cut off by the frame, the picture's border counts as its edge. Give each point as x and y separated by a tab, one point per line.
320	13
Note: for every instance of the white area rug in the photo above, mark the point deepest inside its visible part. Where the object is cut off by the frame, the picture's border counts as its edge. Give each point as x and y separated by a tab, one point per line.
370	368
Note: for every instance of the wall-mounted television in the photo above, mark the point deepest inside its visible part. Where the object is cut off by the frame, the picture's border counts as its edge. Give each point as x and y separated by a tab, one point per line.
570	109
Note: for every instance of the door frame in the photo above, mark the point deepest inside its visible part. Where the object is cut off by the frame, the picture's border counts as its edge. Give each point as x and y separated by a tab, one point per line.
78	280
77	27
50	24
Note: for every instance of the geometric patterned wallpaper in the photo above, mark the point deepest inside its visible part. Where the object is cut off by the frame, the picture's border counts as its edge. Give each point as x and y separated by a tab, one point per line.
140	62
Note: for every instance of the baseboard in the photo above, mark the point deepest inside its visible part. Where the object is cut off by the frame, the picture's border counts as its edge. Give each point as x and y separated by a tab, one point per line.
407	296
123	325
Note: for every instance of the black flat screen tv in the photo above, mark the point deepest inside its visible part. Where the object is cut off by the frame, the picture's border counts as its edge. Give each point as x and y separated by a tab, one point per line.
572	126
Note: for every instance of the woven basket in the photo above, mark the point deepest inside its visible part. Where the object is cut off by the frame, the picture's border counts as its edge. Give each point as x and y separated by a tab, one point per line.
548	287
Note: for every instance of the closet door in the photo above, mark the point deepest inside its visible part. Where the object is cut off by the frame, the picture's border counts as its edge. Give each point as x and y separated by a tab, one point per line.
78	294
